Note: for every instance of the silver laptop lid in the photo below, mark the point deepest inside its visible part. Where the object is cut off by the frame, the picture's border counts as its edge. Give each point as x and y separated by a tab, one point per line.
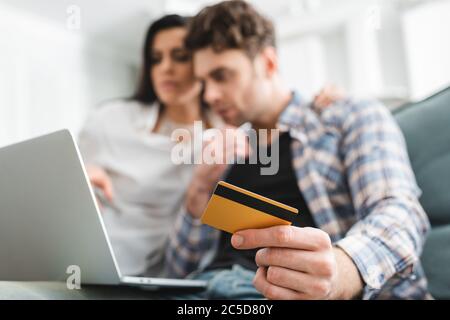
48	217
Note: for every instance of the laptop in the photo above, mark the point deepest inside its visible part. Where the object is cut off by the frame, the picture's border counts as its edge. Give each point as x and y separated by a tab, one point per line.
50	221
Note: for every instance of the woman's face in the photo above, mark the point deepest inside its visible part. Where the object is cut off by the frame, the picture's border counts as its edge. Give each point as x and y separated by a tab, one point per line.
172	70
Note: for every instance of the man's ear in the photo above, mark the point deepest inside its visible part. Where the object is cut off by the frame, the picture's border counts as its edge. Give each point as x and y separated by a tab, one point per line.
270	60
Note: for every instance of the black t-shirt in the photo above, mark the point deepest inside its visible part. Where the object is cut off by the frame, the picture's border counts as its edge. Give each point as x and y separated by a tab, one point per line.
281	187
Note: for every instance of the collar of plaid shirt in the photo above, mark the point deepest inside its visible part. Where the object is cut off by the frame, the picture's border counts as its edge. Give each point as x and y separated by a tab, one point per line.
310	135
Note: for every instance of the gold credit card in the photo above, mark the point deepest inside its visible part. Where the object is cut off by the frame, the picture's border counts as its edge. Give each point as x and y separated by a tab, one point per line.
232	209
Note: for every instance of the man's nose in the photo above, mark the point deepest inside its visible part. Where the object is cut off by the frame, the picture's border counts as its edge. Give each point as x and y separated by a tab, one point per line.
212	94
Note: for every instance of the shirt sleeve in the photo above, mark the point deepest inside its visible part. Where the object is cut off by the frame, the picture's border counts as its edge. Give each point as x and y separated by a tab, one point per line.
190	243
388	238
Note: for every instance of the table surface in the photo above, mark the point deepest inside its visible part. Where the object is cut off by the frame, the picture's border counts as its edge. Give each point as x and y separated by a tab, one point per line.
58	290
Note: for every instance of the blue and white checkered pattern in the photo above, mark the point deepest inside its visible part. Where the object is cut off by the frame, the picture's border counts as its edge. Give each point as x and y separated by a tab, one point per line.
353	170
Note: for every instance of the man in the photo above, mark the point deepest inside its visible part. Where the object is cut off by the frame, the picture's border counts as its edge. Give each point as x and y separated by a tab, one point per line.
361	227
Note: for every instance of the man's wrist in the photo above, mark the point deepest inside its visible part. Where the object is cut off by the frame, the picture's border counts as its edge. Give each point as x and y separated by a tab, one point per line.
349	283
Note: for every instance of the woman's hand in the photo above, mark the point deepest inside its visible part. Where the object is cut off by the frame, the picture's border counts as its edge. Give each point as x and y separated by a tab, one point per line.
100	179
327	96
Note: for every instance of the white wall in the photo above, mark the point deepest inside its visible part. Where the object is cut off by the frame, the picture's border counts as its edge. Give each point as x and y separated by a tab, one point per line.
389	51
427	40
365	68
51	76
361	51
301	64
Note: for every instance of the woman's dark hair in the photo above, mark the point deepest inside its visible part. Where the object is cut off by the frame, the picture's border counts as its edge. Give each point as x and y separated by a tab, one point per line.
145	92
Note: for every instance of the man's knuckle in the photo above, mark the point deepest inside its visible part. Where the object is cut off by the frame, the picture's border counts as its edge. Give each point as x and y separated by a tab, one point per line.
273	275
325	266
328	269
272	255
250	239
259	280
283	235
256	281
321	288
323	241
270	292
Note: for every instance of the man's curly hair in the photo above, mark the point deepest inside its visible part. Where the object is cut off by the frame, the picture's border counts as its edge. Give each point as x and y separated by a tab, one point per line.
231	24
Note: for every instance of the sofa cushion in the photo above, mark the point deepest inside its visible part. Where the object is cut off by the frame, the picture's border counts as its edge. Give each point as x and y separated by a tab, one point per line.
436	262
426	126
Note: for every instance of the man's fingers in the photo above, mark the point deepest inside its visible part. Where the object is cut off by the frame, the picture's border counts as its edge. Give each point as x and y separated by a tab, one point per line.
273	292
282	237
300	260
298	281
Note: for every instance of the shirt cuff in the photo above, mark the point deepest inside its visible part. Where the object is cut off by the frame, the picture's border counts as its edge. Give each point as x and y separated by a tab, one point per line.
375	262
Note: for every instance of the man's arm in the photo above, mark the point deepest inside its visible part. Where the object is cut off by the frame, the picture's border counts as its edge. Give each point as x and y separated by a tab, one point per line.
189	243
391	231
301	263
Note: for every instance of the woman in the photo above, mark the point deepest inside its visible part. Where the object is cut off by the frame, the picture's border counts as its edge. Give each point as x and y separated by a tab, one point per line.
126	146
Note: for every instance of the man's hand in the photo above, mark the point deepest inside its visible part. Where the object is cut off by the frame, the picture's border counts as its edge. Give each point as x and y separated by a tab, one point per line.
299	263
206	175
100	179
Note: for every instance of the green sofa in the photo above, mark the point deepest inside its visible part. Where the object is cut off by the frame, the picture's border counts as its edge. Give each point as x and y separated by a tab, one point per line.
426	126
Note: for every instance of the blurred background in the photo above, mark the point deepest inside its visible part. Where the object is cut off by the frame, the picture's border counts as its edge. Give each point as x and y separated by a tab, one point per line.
59	59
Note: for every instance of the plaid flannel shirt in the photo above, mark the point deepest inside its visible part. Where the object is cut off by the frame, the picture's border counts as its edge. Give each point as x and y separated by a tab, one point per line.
354	172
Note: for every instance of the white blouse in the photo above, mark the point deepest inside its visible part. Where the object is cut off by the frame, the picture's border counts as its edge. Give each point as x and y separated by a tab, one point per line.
148	187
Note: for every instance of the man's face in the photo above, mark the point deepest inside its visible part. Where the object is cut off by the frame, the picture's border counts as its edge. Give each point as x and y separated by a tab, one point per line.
234	83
